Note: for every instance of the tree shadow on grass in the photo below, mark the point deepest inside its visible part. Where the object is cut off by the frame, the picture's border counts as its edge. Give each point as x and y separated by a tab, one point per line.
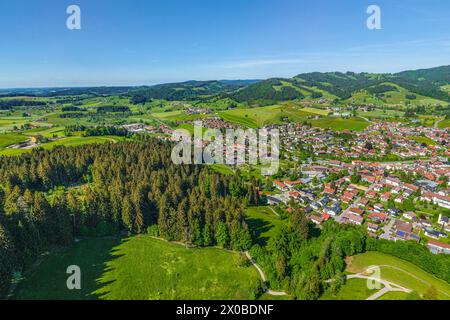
258	227
48	279
101	283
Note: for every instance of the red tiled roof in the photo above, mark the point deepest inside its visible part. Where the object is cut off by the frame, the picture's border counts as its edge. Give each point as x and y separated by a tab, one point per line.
439	244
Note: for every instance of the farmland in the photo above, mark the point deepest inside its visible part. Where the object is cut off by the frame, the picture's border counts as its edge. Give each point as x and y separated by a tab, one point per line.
253	117
339	124
396	97
67	141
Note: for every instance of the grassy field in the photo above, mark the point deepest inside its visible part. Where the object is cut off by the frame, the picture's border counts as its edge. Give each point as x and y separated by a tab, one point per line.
400	272
46	132
178	115
316	111
223	169
425	140
446	88
382	113
396	97
69	141
140	268
394	295
8	123
353	289
444	124
339	124
253	117
259	117
262	222
8	139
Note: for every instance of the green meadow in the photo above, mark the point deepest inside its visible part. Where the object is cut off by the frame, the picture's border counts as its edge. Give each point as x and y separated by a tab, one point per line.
339	124
444	124
253	117
8	139
263	222
353	289
399	272
261	116
68	142
140	268
398	97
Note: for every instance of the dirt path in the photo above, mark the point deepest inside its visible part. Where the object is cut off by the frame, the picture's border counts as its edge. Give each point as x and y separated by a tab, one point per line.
436	124
364	118
274	211
263	277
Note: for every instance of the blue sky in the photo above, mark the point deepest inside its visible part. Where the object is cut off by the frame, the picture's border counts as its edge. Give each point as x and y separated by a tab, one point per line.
137	42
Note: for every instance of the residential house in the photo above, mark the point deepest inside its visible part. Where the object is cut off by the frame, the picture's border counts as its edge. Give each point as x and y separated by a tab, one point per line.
438	247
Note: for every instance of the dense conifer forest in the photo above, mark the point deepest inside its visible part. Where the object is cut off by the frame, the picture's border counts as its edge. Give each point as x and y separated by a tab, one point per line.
51	197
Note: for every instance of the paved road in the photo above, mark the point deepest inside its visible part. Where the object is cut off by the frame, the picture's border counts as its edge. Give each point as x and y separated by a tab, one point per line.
387	230
388	286
410	274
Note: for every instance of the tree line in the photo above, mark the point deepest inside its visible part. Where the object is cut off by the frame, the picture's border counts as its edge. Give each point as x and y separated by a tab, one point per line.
96	131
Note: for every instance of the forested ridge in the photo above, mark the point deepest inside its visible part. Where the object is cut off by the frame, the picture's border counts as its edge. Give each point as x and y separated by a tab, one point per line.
109	189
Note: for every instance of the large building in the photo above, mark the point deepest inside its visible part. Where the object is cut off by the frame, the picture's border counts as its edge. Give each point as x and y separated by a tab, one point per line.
438	247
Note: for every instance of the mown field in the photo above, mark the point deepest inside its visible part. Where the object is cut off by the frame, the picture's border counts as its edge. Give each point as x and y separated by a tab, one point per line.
8	139
253	117
339	124
261	116
444	124
382	113
353	289
399	272
67	141
140	268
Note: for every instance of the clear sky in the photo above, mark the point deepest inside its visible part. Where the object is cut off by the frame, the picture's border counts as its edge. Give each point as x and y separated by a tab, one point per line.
136	42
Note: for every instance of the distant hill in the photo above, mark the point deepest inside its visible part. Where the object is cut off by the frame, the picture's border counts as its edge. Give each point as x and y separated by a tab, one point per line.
426	86
426	82
189	90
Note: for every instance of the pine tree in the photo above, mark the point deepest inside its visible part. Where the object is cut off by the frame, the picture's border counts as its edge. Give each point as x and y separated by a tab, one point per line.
207	236
127	214
222	235
11	205
198	237
8	259
139	222
41	213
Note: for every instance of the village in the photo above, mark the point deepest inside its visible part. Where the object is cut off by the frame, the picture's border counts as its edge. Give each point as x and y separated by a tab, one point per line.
403	200
390	179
